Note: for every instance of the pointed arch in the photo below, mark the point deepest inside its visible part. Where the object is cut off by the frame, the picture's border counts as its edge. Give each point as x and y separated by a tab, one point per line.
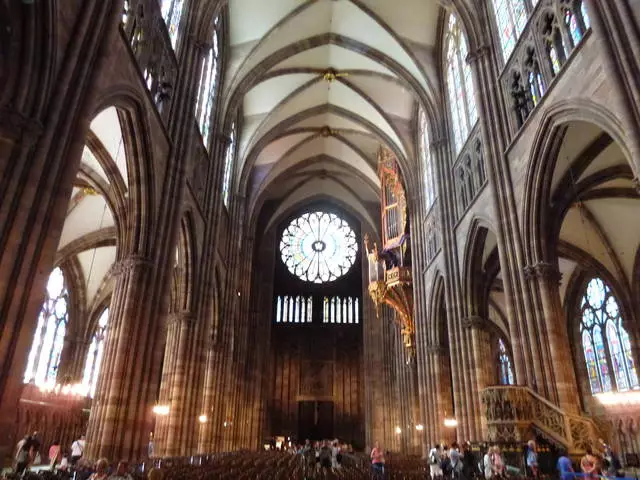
459	83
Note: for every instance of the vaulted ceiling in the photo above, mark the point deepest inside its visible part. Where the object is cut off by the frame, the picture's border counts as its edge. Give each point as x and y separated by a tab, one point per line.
320	85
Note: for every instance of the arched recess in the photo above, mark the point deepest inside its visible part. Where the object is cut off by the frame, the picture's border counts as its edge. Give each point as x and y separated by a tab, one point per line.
580	219
101	203
183	276
439	402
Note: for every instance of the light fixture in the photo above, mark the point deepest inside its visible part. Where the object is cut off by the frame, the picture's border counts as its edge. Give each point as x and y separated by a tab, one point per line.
68	389
161	410
419	427
239	294
624	398
450	422
398	430
202	419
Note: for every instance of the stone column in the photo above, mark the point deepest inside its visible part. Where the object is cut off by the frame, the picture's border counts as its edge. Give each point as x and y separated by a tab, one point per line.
482	364
121	415
545	278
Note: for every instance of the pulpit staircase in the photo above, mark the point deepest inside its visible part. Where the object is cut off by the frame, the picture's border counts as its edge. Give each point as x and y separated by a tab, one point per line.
517	414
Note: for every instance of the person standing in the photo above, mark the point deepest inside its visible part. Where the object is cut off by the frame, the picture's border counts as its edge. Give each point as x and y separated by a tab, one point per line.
565	467
435	460
54	454
77	449
487	463
589	464
532	458
377	461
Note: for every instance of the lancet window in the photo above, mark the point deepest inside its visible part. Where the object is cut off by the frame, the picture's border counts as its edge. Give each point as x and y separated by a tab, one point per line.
462	103
48	340
294	309
207	87
605	342
427	162
505	369
94	355
228	166
341	310
172	13
511	18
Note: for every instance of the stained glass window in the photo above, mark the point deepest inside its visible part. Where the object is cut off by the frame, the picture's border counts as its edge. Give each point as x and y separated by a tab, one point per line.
343	310
504	363
605	342
572	24
585	15
427	163
94	355
318	247
555	60
464	113
294	309
228	166
207	87
511	18
171	13
48	340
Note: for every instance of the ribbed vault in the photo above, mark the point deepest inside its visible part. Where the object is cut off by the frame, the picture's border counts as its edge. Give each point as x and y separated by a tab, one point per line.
317	86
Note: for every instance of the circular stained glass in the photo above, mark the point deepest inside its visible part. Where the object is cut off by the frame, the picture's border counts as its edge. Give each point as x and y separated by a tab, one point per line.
318	247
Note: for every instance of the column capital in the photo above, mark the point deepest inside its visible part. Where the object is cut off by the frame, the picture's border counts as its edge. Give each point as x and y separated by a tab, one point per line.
542	270
438	142
17	127
478	53
473	321
130	263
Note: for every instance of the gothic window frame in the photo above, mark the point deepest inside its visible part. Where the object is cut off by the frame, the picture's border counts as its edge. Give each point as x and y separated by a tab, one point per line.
512	16
95	354
504	363
229	160
426	161
311	242
208	86
172	12
463	110
595	303
43	363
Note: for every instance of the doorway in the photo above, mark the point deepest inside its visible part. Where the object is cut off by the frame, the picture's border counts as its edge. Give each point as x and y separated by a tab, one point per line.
315	420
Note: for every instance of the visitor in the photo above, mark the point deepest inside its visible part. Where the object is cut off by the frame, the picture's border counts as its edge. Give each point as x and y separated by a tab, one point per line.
487	463
101	469
468	462
22	455
325	456
64	463
435	459
612	464
335	451
54	454
122	472
565	467
455	460
589	464
497	463
445	462
377	461
532	458
77	449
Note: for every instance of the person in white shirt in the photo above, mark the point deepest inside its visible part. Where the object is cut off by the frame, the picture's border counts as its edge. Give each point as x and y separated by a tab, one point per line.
435	458
77	449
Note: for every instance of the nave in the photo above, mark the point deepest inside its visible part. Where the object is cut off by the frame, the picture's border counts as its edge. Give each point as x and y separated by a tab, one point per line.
227	222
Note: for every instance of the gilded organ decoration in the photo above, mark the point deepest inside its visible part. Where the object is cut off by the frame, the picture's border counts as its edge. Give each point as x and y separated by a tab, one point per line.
390	279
